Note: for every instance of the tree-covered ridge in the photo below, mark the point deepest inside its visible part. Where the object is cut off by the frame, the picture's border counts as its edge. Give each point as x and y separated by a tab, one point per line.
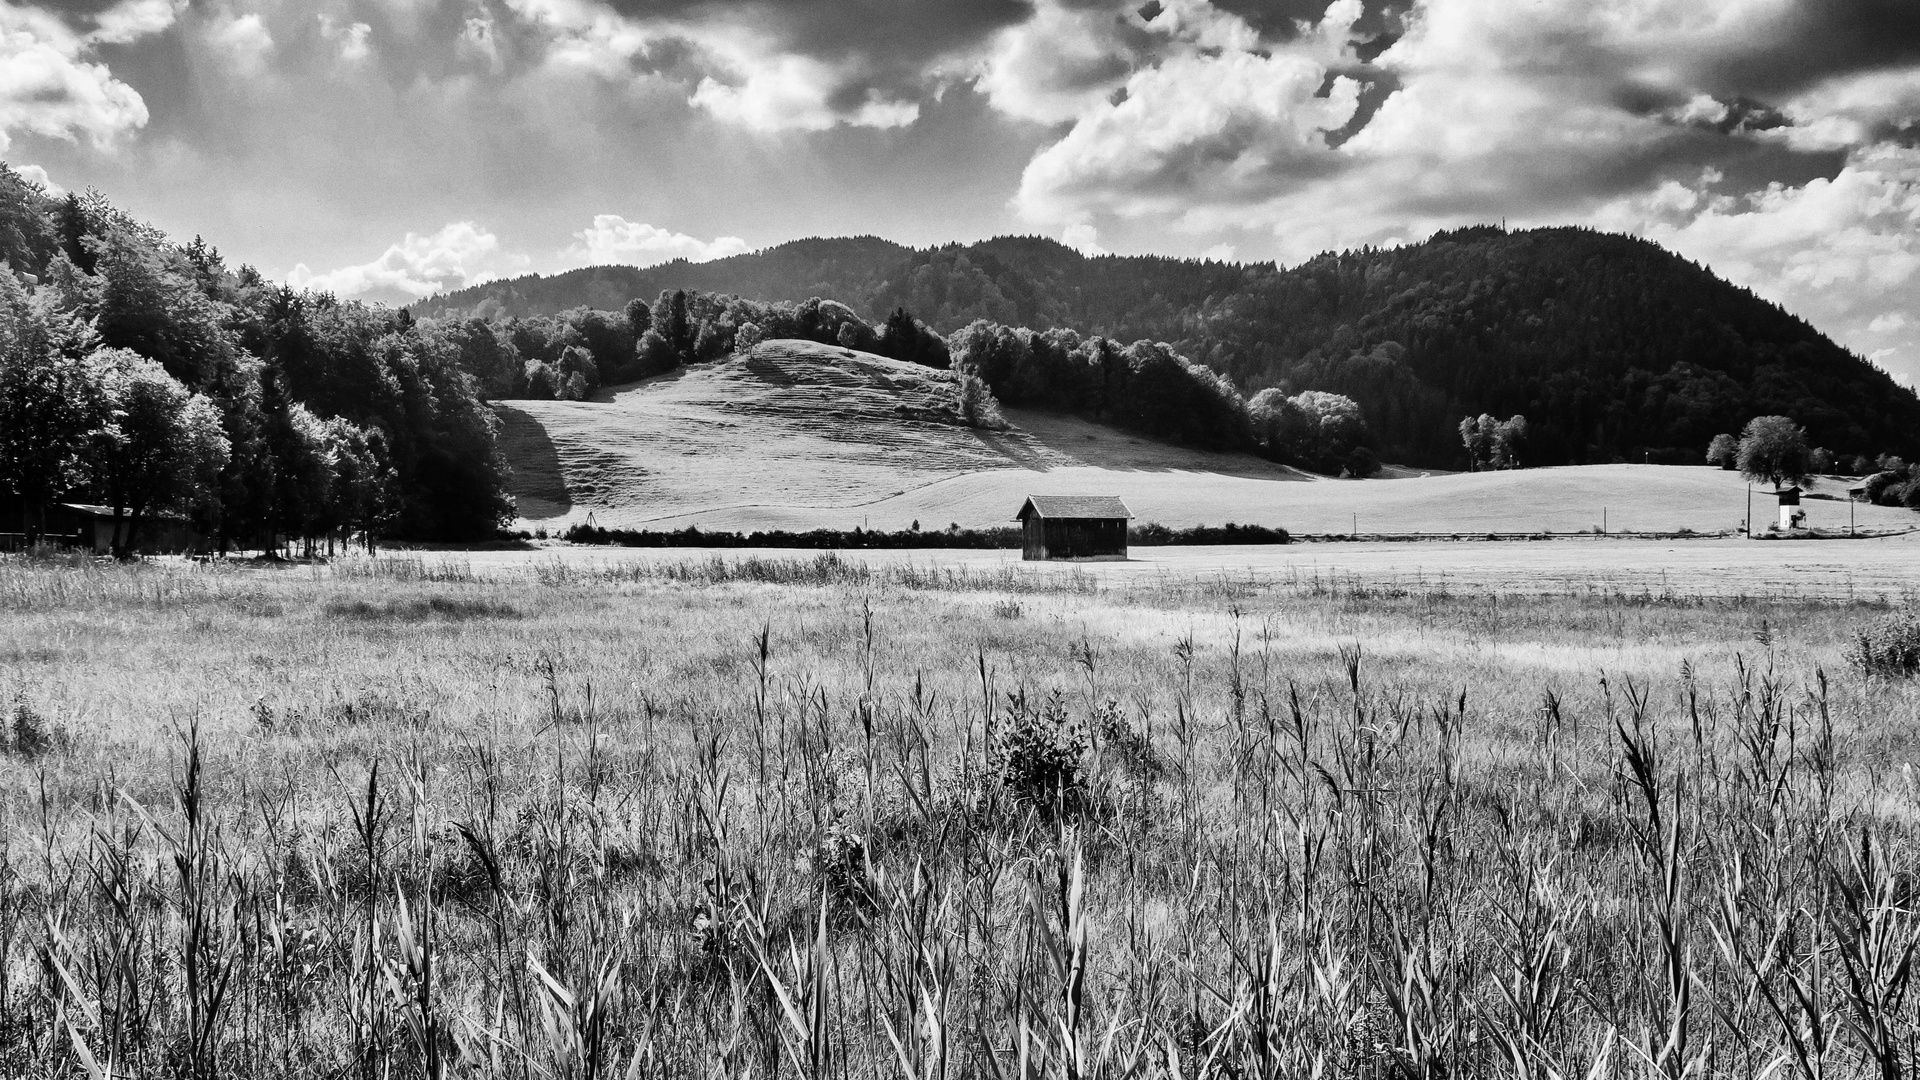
261	412
1612	347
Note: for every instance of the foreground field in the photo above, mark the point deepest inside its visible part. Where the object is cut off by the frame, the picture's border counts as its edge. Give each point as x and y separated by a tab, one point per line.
818	817
1883	567
795	435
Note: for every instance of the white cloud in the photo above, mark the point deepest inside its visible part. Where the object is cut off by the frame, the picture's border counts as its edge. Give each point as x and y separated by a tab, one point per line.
460	254
1220	253
244	38
34	174
613	239
351	38
37	175
792	93
49	87
1852	110
1082	237
131	20
1197	132
1068	60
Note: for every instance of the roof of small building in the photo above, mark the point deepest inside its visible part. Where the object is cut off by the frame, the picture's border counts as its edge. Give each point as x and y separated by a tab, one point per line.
95	510
1073	506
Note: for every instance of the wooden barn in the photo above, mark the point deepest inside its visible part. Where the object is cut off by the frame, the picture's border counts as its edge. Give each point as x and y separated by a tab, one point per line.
90	528
1073	527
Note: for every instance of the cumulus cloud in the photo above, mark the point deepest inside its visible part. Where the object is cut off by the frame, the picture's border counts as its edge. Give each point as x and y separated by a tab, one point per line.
131	20
1082	237
245	38
612	239
49	85
795	93
34	174
460	254
1071	58
351	38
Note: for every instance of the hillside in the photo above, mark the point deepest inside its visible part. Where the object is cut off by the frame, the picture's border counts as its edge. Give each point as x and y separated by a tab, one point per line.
791	433
796	435
1614	348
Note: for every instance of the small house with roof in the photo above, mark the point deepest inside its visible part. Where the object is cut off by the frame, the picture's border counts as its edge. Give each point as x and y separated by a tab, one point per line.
1791	516
1073	527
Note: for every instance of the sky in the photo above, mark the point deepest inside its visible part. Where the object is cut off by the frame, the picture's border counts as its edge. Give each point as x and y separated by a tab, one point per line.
389	149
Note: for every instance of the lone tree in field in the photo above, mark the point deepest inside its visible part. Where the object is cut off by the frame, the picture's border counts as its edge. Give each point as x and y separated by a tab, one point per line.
1723	451
1773	449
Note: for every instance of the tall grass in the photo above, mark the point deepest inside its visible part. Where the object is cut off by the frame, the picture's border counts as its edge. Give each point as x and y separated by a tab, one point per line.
788	819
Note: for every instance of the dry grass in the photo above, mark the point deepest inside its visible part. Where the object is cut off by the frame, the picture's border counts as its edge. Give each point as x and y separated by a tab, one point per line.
809	817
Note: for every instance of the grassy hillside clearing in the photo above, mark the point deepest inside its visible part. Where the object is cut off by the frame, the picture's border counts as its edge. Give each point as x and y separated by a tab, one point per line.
794	435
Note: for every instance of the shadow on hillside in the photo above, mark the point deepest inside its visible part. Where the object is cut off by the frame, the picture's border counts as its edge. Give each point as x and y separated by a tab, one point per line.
537	482
1043	440
606	394
1016	446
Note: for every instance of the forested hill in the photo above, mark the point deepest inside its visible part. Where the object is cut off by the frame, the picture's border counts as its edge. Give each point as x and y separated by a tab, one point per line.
1613	347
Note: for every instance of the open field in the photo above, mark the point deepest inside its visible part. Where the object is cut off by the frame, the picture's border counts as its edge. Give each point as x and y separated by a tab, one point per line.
442	815
1727	568
799	436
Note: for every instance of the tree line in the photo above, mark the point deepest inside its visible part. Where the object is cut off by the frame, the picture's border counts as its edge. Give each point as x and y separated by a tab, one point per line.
570	355
148	376
1613	348
1145	387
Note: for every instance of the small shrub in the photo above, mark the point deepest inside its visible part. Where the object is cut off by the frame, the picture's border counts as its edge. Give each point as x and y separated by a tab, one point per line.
976	404
1889	648
1131	748
1038	752
33	736
838	865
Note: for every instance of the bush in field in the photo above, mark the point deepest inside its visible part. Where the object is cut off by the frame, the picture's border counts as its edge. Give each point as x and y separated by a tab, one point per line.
1890	647
1038	752
32	736
1723	451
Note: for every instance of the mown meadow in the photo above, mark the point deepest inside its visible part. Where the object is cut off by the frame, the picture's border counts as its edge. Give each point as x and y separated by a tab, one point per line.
801	817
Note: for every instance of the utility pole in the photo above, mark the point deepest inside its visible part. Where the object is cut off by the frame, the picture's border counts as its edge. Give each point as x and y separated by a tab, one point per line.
1749	524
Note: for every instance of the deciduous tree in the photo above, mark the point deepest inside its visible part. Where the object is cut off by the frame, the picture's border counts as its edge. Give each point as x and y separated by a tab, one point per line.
1724	451
158	445
1773	449
50	404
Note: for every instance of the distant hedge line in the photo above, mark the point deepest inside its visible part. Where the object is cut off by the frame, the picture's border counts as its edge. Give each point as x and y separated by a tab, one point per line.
1006	536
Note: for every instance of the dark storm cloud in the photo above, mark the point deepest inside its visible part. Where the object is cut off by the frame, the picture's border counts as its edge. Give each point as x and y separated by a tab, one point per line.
1818	40
891	32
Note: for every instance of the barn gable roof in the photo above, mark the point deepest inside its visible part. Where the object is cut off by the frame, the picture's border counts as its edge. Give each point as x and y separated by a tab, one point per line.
1073	506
